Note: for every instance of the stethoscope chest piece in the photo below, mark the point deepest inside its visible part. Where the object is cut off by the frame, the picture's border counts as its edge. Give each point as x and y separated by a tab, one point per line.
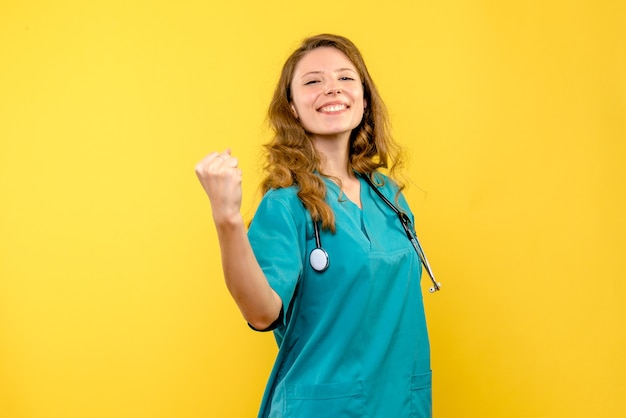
319	259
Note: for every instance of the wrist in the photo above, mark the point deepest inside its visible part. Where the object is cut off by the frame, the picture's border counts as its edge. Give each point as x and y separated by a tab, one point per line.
227	222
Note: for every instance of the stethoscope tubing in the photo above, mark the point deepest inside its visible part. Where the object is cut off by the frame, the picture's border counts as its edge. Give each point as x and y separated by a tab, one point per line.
406	225
319	259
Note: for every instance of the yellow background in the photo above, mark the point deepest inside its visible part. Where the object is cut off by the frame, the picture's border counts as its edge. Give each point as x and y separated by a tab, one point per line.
112	302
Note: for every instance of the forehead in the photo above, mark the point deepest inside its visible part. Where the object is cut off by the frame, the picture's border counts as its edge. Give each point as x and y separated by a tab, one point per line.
324	59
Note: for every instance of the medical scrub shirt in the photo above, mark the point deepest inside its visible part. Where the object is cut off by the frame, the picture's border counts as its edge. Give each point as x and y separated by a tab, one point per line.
352	339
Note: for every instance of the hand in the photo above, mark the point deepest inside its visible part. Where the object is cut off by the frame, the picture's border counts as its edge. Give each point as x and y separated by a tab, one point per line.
221	179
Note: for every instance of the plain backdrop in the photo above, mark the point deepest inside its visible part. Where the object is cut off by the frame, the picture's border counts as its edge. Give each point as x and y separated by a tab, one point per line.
512	114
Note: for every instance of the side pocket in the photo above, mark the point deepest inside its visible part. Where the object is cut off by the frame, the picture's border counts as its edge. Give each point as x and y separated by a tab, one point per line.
336	400
421	395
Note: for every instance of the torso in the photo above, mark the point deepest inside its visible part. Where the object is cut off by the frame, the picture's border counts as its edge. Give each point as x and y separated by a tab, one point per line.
355	343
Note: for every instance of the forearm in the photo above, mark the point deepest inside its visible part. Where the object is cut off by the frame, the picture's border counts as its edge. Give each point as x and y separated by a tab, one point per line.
221	179
259	304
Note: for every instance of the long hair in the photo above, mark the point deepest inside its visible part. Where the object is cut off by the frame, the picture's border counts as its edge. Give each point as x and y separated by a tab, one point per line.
291	158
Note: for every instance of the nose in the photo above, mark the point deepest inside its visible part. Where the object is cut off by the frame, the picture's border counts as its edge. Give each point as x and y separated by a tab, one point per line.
331	89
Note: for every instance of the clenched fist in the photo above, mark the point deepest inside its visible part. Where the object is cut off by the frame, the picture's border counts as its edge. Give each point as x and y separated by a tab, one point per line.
221	179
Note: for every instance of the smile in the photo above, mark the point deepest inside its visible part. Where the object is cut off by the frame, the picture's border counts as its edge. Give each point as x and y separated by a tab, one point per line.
333	108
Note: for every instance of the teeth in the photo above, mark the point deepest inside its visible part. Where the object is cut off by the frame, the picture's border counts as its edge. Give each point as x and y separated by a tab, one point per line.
333	108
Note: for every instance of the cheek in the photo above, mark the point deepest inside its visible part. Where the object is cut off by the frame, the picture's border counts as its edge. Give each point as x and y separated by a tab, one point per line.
300	102
363	103
308	98
358	95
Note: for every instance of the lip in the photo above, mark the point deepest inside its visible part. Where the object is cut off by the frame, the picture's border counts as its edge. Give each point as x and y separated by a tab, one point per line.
330	104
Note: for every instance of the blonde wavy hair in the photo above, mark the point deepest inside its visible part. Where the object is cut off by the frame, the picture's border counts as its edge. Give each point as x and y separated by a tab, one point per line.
291	158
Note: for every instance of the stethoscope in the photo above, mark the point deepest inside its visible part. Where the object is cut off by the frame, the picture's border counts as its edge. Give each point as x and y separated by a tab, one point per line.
319	257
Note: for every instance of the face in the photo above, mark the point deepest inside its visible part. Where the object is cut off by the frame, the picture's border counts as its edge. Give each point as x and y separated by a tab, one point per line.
327	93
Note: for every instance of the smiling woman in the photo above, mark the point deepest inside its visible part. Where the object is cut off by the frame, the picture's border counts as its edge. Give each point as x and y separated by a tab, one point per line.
112	301
327	94
352	335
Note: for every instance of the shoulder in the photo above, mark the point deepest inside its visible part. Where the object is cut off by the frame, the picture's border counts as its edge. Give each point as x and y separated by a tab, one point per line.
282	202
390	188
384	182
287	196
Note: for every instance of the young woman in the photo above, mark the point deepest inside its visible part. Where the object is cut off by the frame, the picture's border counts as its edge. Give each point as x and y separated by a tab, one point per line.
326	263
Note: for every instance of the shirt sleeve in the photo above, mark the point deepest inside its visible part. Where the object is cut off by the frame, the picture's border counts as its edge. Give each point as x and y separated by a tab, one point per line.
277	236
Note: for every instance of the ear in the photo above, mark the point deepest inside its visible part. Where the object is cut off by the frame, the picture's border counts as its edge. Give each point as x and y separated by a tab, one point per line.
364	103
294	111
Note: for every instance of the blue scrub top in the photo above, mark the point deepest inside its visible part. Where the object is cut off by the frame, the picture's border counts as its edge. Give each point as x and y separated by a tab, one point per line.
353	340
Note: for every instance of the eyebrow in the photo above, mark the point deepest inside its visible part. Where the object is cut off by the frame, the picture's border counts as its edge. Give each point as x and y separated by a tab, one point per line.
338	70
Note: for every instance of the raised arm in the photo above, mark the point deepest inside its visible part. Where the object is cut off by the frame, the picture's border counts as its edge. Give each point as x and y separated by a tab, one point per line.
221	179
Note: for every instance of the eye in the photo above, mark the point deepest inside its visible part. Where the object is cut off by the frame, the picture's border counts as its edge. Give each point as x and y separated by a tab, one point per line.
346	78
307	83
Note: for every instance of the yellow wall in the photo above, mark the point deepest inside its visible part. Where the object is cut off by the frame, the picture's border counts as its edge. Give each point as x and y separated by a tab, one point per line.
111	297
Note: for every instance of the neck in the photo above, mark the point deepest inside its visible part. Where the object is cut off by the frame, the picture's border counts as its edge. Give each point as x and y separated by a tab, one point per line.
334	154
